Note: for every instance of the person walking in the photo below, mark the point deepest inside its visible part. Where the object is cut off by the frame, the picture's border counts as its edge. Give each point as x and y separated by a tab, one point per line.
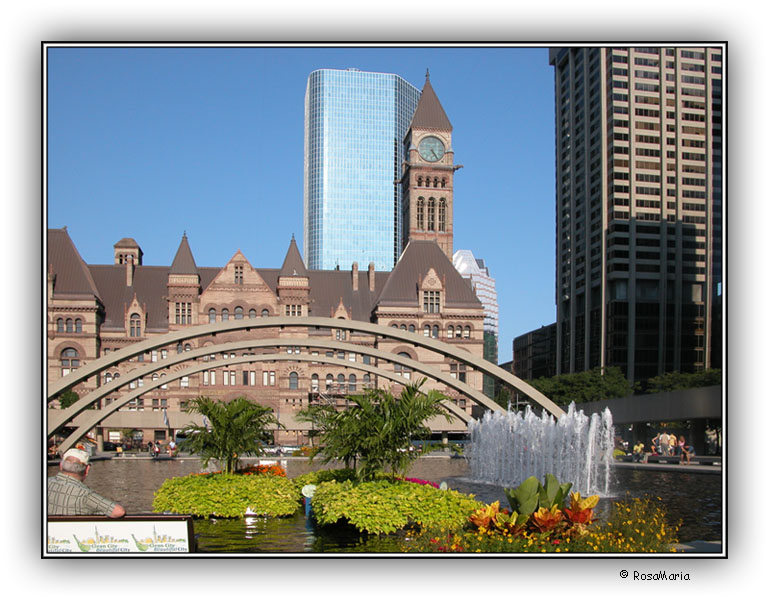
69	496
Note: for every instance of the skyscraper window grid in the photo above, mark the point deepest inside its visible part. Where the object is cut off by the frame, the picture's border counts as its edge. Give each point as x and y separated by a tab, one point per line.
639	208
355	122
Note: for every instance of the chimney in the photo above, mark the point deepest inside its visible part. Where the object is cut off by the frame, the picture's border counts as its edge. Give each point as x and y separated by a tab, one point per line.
129	270
371	285
354	277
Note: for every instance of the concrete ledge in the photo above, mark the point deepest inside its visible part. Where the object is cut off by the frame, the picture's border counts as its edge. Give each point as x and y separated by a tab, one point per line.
699	546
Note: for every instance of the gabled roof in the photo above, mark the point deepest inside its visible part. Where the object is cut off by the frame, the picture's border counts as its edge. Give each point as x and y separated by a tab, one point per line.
293	265
184	263
429	113
415	262
72	274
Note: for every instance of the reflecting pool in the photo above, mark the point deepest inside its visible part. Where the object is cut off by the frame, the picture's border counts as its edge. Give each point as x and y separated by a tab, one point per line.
692	498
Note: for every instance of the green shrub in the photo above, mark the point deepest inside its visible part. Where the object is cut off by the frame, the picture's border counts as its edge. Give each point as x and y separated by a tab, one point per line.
385	506
228	495
316	477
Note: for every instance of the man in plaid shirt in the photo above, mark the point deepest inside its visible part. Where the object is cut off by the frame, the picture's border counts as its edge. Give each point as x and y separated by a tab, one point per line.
68	495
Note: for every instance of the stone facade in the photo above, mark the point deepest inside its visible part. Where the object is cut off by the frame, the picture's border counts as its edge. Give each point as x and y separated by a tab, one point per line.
97	309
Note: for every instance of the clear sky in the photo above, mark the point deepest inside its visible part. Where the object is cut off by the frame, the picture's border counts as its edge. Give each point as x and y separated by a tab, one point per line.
150	143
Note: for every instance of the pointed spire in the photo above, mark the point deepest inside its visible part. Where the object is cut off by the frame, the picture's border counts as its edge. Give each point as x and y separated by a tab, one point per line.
293	265
184	263
429	113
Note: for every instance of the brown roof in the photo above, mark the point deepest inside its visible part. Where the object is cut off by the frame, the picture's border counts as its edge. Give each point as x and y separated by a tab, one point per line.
415	262
293	265
126	243
327	288
72	275
184	263
429	113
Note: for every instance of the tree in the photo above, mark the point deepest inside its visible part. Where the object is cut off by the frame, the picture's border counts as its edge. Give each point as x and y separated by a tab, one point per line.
234	429
376	429
586	386
67	399
669	382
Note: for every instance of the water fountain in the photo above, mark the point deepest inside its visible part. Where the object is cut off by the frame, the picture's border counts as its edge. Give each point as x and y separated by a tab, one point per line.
509	447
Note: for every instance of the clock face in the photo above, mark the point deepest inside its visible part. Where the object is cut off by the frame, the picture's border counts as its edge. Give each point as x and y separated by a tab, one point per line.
431	149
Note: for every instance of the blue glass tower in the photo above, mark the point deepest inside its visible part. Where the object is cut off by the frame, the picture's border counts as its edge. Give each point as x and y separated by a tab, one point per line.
354	126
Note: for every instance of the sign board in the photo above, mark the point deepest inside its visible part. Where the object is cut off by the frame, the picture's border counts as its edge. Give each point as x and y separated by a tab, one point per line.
129	535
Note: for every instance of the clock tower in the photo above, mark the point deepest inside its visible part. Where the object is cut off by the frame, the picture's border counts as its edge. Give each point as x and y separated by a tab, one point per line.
428	175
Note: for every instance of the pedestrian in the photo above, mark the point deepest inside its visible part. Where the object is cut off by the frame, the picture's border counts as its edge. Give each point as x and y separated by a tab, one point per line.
69	496
171	448
673	444
664	440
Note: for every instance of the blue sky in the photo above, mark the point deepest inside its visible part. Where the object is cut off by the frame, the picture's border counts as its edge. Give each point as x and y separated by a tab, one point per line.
151	142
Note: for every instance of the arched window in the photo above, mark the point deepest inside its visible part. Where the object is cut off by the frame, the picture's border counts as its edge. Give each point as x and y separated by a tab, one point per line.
442	214
340	383
293	380
315	384
421	213
70	327
450	331
443	182
252	314
70	360
419	181
412	329
265	312
78	326
212	315
431	214
60	325
367	380
436	331
179	348
225	314
352	383
403	327
402	369
238	313
107	377
467	332
136	325
427	331
187	347
329	381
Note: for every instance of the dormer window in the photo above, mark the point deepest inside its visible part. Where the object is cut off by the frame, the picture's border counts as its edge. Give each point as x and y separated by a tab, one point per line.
239	274
431	301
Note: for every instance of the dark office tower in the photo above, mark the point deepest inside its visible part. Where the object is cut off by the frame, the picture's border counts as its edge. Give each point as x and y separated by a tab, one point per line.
638	208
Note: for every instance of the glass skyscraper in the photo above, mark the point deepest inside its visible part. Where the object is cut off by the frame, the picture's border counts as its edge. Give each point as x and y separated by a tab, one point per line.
354	126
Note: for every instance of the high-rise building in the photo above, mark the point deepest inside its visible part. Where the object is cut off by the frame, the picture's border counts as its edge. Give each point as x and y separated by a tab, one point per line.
355	124
638	208
485	288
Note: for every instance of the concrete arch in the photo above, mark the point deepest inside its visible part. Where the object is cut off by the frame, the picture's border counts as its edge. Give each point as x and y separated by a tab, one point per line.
99	415
61	418
416	339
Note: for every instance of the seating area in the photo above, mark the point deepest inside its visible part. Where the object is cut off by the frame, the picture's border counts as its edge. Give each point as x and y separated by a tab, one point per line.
655	458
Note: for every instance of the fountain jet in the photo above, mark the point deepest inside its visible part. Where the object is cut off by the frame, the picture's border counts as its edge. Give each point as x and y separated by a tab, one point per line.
508	447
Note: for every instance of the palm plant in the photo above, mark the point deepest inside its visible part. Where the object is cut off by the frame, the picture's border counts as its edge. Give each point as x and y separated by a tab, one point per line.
234	429
376	429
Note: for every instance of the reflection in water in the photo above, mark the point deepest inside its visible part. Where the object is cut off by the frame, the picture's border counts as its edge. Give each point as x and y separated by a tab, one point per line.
694	499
